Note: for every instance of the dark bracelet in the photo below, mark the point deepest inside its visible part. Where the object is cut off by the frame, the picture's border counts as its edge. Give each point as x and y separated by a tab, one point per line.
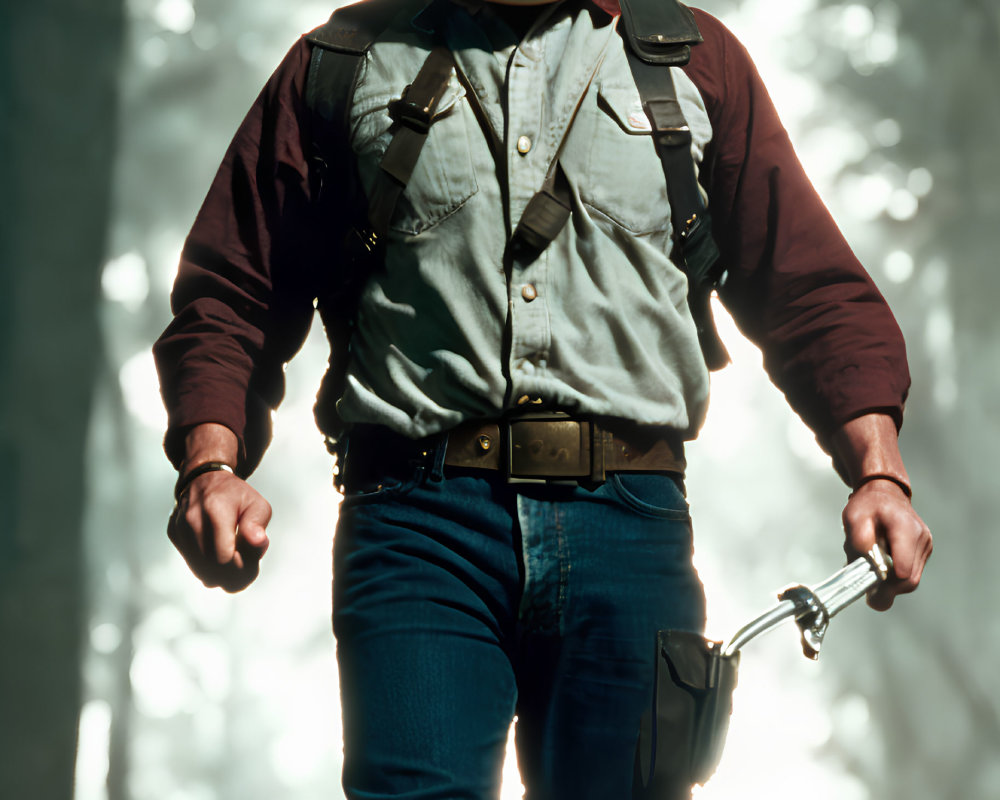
209	466
879	476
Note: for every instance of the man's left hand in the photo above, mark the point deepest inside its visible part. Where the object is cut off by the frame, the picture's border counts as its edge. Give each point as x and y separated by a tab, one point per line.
879	508
879	511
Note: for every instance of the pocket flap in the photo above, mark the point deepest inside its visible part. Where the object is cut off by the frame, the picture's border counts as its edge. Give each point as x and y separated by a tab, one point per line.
623	103
452	94
689	656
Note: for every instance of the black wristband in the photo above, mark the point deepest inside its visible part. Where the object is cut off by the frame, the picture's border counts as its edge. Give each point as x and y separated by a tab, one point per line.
878	476
184	481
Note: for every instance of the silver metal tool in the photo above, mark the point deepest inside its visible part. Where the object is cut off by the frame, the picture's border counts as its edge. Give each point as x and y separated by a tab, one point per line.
682	736
813	608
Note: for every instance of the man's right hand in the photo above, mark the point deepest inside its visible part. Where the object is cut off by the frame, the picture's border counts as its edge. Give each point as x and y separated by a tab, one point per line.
219	523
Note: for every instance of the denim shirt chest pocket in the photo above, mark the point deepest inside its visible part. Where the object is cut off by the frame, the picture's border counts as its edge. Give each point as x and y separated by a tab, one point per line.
443	178
623	179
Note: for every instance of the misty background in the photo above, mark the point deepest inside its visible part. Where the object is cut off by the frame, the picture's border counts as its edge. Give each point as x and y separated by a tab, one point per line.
122	677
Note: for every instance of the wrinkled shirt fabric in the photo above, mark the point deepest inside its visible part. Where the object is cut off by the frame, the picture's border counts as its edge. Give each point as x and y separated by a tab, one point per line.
452	327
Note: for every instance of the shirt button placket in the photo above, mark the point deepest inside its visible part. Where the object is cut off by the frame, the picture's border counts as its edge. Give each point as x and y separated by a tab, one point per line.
524	87
526	173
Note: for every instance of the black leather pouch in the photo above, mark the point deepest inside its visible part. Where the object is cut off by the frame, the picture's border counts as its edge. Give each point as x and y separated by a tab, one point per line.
682	736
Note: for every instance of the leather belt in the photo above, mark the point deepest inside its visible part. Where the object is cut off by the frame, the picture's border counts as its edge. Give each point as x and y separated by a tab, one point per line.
553	447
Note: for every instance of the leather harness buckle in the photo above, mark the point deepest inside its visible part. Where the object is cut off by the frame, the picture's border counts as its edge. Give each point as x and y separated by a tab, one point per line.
413	114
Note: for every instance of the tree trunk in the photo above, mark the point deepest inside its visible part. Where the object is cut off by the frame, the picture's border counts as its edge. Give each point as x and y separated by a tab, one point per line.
58	87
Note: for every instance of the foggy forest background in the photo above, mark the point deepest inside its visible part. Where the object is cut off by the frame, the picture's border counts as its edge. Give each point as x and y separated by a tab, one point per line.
122	677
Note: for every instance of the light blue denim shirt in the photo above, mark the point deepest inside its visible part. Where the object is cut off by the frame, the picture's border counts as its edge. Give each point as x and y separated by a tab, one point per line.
598	324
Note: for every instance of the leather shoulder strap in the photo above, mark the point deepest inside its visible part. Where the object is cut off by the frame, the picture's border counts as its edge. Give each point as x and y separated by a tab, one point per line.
694	248
660	31
412	116
352	29
659	34
338	50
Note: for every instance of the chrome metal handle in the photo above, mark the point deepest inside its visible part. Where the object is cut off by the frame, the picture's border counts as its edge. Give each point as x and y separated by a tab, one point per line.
813	608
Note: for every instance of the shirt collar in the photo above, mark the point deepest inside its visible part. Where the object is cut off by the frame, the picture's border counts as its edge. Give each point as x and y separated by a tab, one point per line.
429	19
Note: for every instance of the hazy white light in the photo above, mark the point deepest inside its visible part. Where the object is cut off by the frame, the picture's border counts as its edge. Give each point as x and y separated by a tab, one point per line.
939	331
764	750
304	750
946	392
818	727
866	196
920	181
199	791
297	755
154	52
250	46
802	50
208	658
827	150
117	577
141	392
857	21
92	755
882	47
802	442
138	9
105	638
731	421
176	16
795	96
902	205
871	43
852	718
987	777
164	253
511	786
210	611
164	623
793	11
887	132
210	727
306	16
205	35
159	683
898	266
158	778
125	280
934	278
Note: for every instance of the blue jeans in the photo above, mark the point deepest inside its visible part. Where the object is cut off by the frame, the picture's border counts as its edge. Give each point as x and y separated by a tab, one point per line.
461	600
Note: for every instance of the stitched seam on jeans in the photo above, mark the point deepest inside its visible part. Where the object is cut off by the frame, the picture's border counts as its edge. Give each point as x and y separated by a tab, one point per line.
640	506
564	568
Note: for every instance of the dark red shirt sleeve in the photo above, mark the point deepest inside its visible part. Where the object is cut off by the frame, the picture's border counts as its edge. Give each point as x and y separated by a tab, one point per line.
795	288
242	300
243	296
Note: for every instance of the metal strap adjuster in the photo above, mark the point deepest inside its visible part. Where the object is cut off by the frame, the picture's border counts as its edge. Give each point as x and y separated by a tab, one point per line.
413	115
667	119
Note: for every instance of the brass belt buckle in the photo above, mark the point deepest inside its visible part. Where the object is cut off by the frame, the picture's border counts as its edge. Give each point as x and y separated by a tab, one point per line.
548	448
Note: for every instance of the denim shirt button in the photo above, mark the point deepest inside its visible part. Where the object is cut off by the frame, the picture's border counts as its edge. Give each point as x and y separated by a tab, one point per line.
523	144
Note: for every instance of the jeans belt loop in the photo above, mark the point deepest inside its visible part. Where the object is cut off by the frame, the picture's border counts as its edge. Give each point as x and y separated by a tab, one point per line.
600	441
436	458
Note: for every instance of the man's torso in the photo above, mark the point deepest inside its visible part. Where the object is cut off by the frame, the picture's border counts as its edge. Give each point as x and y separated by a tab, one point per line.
452	328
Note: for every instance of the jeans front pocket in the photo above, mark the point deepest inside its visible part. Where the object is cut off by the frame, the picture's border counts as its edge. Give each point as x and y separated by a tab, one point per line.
370	484
654	494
